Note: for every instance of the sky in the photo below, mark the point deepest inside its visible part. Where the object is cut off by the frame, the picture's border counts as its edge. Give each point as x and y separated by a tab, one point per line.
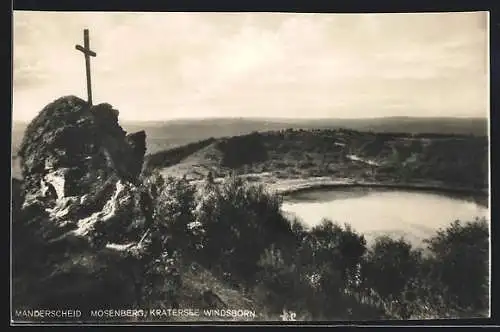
160	66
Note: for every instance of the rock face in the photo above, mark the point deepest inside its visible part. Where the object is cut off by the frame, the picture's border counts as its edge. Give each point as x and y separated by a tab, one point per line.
80	196
138	143
81	166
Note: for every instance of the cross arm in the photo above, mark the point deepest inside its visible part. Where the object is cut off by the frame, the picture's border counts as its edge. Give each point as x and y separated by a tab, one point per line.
85	51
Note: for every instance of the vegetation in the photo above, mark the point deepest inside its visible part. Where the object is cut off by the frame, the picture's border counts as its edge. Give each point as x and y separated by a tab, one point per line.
455	161
173	156
236	231
237	234
117	240
176	134
459	256
242	150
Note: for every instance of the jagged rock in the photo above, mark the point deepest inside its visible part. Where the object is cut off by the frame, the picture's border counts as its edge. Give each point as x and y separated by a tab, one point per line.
87	141
137	142
79	211
55	183
77	160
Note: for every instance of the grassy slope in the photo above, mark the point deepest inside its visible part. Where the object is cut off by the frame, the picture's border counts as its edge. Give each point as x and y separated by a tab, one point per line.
197	279
298	159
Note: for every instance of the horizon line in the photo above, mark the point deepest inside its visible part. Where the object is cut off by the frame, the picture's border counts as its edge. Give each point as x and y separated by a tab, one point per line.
277	119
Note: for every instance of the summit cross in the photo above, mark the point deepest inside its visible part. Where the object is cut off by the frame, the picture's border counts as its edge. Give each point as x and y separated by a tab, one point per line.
85	49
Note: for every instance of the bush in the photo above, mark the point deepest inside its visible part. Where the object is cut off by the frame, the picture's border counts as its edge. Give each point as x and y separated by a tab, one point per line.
459	265
155	264
241	150
173	213
237	217
450	281
281	279
329	243
390	266
154	273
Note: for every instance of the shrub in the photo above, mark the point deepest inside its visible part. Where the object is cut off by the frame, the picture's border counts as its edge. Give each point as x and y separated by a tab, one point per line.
155	272
155	264
330	243
390	266
279	277
238	216
173	214
459	265
450	281
241	150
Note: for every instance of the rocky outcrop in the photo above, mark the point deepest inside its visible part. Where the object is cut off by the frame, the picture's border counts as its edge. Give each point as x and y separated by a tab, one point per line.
79	213
138	143
81	166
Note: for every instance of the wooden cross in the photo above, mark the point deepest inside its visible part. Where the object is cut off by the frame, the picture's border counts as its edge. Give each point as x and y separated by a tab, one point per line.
88	53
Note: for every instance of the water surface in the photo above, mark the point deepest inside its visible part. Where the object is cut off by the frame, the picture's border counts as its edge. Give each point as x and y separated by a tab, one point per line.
412	214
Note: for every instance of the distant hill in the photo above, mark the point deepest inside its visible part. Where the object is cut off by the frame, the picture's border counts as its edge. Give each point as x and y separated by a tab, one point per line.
452	160
169	134
163	135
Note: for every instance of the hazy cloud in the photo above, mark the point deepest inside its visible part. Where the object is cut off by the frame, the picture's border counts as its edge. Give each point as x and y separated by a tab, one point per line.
164	65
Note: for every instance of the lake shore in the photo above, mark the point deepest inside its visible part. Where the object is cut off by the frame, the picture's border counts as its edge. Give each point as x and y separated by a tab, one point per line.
286	187
289	186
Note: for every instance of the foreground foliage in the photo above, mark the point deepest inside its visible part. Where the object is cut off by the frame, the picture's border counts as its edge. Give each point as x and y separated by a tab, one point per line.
327	272
238	233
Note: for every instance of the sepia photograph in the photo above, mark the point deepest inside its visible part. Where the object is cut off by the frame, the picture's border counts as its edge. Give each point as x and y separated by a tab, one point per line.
194	167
